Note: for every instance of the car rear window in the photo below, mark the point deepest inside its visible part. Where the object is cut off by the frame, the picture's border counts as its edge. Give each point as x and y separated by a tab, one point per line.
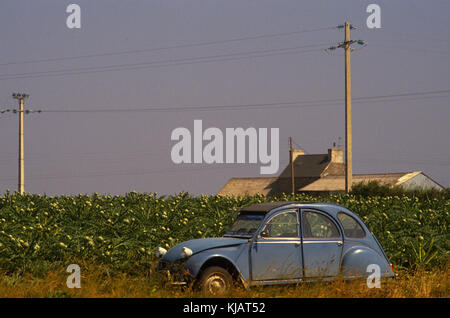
351	227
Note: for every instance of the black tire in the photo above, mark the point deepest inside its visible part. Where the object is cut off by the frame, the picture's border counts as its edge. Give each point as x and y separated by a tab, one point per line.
215	280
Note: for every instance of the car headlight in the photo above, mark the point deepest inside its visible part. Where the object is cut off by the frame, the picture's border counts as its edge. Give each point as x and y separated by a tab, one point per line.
160	252
186	252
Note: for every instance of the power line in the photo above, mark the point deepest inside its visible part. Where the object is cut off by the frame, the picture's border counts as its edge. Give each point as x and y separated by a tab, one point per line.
87	154
168	47
57	157
5	117
163	63
420	50
428	162
171	60
38	156
267	106
406	94
296	104
417	36
172	170
299	146
127	173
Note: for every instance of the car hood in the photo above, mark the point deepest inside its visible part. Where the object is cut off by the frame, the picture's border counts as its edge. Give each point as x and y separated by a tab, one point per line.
199	245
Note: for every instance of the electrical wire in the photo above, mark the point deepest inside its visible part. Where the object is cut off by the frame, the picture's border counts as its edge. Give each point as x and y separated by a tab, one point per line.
127	173
296	104
164	63
428	162
189	45
416	36
172	170
419	50
267	106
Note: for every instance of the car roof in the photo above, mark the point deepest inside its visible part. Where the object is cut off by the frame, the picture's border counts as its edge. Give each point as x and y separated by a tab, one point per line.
267	206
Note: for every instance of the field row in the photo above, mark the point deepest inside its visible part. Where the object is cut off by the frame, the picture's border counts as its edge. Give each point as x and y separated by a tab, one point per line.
123	231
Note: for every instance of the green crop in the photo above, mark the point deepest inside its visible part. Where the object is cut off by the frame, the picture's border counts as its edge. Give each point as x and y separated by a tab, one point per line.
37	231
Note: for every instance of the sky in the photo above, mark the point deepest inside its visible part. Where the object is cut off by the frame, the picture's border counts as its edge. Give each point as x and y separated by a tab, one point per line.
163	64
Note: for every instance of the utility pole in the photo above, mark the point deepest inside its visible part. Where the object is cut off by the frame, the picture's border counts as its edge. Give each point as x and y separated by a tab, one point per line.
348	112
346	45
21	175
291	160
21	98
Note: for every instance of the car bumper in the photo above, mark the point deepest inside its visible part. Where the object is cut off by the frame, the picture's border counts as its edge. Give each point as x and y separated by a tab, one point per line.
175	274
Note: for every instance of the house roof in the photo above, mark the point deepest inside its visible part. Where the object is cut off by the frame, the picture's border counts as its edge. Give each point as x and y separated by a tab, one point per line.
307	166
317	172
314	166
248	186
337	183
333	169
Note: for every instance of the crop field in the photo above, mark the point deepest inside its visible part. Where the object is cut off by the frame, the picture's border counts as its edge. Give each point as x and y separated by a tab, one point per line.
40	235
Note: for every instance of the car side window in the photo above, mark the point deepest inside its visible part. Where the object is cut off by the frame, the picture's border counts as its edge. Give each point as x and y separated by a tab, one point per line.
351	227
317	225
282	225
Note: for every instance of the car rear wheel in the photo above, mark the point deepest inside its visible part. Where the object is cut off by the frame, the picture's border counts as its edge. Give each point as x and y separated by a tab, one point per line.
215	280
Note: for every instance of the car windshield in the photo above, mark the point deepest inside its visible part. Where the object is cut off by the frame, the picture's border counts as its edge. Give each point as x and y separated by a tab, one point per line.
245	225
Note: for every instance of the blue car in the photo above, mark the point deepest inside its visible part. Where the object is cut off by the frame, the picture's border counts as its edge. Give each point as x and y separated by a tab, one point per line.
278	243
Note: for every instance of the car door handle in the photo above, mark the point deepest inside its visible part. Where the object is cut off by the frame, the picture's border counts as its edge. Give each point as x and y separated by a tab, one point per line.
339	243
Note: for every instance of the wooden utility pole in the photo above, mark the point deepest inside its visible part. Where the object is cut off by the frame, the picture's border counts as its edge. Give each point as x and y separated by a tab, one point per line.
21	151
346	45
21	172
348	111
291	160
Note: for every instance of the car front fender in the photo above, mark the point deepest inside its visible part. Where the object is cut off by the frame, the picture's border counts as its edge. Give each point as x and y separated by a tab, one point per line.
233	255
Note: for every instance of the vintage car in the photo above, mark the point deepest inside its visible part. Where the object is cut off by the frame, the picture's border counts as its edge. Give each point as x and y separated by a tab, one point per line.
278	243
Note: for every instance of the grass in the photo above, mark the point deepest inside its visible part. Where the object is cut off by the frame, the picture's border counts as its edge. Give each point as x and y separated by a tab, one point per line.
125	230
98	282
113	239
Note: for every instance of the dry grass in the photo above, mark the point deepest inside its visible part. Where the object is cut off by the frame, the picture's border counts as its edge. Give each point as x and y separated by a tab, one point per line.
98	282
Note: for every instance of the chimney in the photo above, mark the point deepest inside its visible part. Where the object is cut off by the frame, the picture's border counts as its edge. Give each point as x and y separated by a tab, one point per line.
336	155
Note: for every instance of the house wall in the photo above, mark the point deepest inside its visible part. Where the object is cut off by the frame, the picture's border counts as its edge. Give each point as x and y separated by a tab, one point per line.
421	181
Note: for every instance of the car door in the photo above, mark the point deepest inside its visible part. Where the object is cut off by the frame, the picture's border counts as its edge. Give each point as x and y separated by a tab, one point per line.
275	253
322	244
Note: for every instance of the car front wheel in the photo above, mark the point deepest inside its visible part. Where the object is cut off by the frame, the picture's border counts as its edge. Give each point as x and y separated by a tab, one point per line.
215	280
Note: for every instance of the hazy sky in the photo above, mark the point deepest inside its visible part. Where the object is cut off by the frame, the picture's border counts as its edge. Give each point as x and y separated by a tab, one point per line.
116	152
